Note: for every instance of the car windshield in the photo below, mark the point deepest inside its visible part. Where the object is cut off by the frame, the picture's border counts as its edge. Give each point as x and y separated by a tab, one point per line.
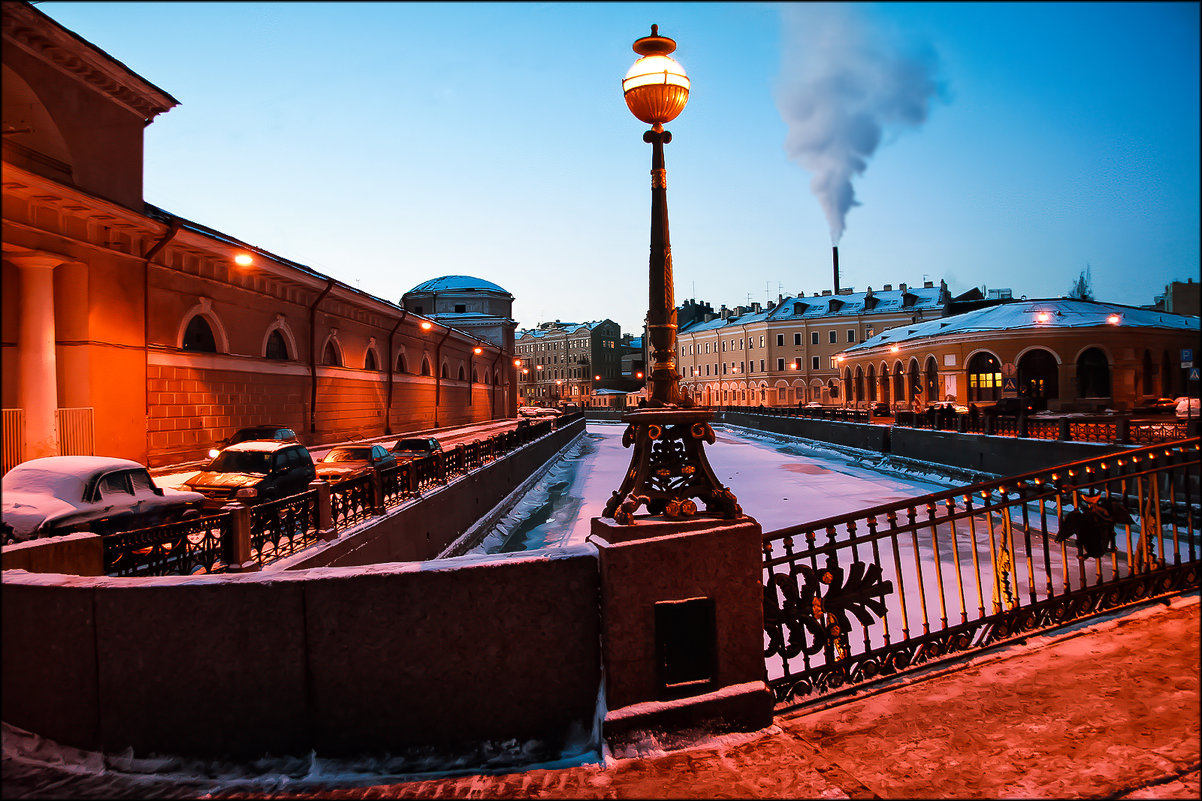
348	455
413	445
241	462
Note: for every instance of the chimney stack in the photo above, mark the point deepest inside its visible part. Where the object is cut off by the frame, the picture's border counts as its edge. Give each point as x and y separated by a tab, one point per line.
835	255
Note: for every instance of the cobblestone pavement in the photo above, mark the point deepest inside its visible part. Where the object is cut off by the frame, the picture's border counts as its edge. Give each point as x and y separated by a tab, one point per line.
1106	709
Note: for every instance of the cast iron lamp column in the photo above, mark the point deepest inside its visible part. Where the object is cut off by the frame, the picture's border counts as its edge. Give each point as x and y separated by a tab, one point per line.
668	467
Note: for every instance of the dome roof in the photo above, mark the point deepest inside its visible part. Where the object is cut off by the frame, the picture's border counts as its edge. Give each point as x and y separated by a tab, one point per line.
458	283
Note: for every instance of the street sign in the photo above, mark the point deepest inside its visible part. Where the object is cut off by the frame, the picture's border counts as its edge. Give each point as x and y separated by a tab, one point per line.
1187	354
1009	385
1009	370
1193	374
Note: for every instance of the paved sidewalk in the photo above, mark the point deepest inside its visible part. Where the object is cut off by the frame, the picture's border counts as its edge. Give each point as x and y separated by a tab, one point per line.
1108	708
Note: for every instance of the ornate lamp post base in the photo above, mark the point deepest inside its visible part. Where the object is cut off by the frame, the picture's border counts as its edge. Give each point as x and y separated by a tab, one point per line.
668	468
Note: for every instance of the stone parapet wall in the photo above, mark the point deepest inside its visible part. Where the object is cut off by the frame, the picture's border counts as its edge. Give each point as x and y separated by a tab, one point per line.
338	660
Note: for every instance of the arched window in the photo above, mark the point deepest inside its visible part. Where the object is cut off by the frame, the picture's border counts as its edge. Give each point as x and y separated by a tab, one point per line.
369	362
426	366
1039	377
931	378
277	347
442	371
984	377
199	337
400	363
1093	374
331	356
461	374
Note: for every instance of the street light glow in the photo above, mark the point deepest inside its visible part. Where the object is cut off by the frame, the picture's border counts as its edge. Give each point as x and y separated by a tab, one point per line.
244	260
477	351
427	325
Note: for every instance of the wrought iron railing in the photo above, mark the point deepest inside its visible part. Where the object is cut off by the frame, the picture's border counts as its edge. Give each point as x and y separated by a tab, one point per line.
284	527
854	597
352	501
193	546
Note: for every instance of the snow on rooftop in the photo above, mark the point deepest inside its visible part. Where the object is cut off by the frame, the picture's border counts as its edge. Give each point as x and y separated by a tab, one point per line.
458	283
1031	315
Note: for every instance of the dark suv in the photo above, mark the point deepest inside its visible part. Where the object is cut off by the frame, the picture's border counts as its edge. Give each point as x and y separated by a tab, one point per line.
1010	407
270	470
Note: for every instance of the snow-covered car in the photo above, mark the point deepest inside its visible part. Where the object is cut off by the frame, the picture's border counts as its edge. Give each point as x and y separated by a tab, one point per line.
274	432
1158	406
1188	408
57	495
270	470
352	461
415	448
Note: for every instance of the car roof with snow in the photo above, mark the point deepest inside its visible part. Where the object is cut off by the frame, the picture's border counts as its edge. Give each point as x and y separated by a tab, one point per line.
267	445
62	476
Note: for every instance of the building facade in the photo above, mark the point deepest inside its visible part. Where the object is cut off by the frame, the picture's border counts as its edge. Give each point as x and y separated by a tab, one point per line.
1062	354
565	362
129	331
785	354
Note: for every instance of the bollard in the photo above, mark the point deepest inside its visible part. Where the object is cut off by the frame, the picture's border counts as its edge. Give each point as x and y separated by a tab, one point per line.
377	493
325	511
1122	430
1062	429
237	548
1022	424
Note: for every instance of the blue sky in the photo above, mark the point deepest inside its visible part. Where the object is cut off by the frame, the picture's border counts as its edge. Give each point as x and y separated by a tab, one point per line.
388	143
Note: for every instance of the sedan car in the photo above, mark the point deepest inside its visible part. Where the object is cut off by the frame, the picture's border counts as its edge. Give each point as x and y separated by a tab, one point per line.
273	432
58	495
352	461
269	470
415	448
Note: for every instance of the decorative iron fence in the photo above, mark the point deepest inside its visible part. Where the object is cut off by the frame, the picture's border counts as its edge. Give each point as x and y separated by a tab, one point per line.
284	527
191	546
858	596
352	501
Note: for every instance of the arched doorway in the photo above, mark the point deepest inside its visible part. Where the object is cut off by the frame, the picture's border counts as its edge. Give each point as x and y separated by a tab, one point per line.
899	383
1147	374
1039	377
984	377
1093	374
859	385
871	383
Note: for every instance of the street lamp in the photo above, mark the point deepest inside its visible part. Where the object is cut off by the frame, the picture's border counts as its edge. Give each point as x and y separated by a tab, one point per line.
668	467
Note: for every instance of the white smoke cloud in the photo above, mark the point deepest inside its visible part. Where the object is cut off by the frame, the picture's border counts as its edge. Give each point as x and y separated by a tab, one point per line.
844	84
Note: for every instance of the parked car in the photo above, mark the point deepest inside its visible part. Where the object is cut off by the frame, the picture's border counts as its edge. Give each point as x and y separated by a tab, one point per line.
1010	407
1188	408
270	470
1157	406
538	411
277	433
879	409
58	495
415	448
351	461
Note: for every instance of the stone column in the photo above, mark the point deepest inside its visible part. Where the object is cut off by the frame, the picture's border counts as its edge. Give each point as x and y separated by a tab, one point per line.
37	367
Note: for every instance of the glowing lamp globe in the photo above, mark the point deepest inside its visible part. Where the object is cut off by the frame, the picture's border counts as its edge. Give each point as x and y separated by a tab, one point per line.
656	87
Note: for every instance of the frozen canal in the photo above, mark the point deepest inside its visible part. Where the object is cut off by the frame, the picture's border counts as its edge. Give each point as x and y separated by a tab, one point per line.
779	480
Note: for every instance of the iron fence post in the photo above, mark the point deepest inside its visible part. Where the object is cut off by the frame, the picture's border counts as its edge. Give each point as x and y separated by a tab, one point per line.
325	509
237	547
1062	429
1122	430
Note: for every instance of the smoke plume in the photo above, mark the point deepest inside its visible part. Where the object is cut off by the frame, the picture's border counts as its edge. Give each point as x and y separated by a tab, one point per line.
844	85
